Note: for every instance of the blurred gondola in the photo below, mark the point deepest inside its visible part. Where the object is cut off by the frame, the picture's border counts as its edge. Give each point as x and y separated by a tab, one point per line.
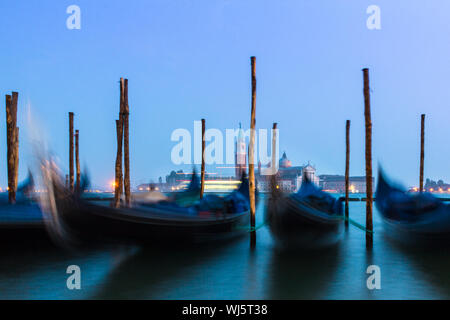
75	220
21	223
309	218
419	219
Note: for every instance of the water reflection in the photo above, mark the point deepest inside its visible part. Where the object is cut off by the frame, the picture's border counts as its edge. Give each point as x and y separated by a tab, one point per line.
432	263
297	274
41	273
144	274
37	270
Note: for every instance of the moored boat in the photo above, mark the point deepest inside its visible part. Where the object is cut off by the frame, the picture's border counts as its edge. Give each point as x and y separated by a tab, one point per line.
25	212
414	218
77	221
22	222
309	218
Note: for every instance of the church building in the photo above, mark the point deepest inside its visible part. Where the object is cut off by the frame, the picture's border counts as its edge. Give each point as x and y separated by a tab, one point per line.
240	155
289	177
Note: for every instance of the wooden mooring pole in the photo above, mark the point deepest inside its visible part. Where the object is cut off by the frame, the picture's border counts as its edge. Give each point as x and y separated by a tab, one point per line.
12	137
126	146
369	189
347	169
251	155
422	151
118	184
77	159
202	173
71	168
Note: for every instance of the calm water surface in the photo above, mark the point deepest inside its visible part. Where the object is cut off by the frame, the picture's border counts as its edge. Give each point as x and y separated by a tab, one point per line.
232	271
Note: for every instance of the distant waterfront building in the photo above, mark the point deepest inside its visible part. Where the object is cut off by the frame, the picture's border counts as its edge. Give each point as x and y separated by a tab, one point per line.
175	177
439	186
178	181
336	183
145	187
289	178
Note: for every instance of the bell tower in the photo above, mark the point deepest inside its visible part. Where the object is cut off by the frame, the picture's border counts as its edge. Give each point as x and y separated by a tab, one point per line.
241	154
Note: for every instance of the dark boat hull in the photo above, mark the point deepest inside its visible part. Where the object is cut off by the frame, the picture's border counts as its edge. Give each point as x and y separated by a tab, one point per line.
294	223
72	220
22	225
77	221
412	219
97	222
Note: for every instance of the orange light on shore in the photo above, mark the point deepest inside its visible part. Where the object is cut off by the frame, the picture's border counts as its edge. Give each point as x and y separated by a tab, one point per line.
113	184
431	189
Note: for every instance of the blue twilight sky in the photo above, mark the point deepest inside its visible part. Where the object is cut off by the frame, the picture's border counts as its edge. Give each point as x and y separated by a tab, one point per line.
187	59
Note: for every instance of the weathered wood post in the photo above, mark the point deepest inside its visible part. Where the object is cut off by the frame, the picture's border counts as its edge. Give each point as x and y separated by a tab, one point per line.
118	182
369	190
422	152
71	169
12	137
16	157
126	145
347	169
251	155
118	185
15	99
202	173
77	159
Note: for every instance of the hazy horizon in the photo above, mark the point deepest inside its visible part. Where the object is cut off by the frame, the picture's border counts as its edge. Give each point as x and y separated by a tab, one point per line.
187	60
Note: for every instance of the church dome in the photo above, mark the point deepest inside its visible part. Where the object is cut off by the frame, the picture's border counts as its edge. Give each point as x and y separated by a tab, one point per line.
309	168
285	162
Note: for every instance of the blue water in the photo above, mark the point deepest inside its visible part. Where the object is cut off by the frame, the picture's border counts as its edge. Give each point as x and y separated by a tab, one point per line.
232	271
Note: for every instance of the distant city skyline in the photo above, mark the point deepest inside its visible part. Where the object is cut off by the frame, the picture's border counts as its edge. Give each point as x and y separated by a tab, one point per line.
187	60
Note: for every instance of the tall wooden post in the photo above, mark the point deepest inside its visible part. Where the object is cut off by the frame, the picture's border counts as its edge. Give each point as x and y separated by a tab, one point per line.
422	151
15	138
369	190
126	145
251	154
16	156
118	185
347	169
77	159
202	174
12	138
71	168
